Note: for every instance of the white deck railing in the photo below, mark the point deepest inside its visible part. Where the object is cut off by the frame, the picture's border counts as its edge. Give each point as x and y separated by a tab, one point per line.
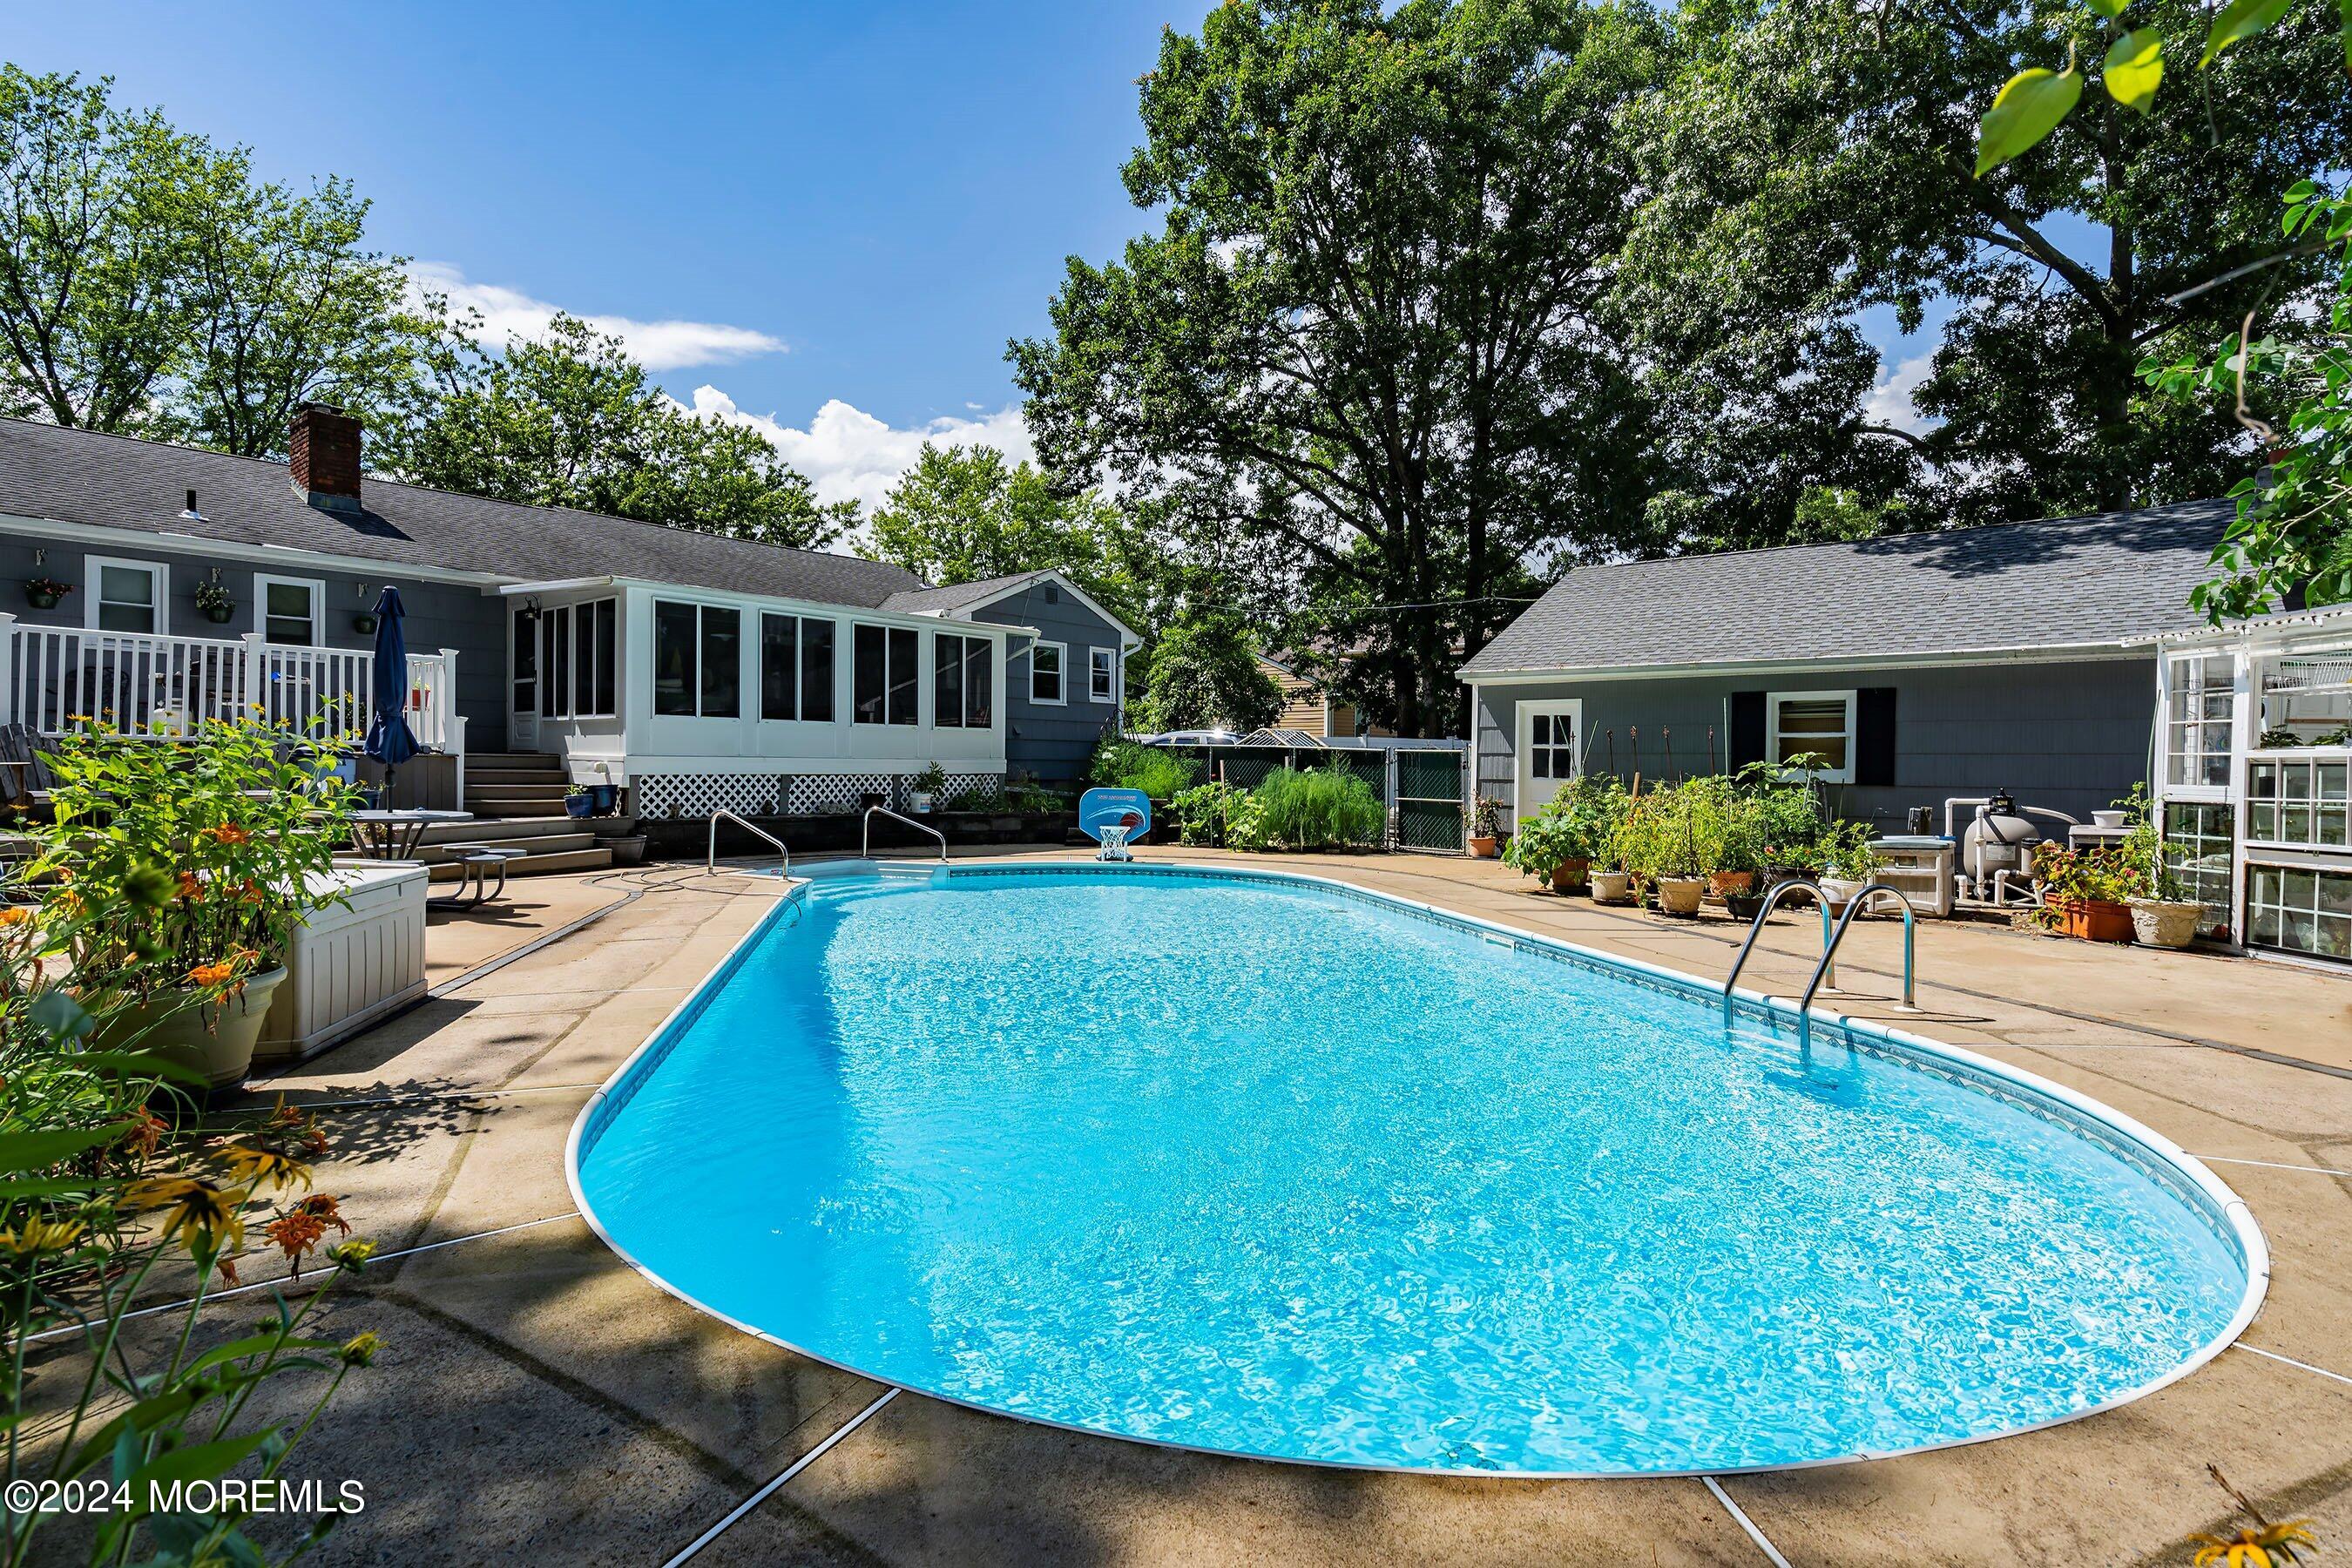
161	688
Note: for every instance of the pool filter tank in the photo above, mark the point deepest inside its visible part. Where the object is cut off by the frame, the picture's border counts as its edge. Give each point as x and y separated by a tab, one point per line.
2000	840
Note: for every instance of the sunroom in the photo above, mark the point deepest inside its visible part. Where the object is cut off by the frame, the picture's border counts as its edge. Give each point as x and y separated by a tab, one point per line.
2255	779
697	700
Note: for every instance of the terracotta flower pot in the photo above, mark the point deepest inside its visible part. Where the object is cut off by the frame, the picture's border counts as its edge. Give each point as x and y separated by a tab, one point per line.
217	1041
1612	887
1569	875
2093	919
2162	922
1483	849
1731	884
1680	895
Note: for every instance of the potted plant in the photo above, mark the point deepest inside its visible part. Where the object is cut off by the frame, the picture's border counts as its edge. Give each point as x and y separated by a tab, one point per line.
174	889
215	601
2163	912
1689	813
43	593
928	786
576	804
1486	828
1849	860
2083	891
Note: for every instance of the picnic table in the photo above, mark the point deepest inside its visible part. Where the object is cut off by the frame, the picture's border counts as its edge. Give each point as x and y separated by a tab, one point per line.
395	835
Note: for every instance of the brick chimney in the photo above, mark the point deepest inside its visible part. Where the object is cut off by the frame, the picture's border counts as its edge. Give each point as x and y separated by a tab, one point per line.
324	446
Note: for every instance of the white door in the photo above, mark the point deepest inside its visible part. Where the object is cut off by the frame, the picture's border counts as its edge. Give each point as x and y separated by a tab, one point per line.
522	707
1550	735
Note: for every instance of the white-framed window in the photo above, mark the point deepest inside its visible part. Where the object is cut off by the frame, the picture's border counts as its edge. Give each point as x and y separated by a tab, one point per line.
126	595
698	662
885	675
289	611
1045	662
795	669
577	654
1102	675
1812	723
2199	702
963	684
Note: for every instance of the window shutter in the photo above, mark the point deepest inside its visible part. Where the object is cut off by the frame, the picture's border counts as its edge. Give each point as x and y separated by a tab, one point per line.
1746	729
1874	739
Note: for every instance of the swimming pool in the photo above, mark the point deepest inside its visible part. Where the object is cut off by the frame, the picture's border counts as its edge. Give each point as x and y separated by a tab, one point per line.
1263	1165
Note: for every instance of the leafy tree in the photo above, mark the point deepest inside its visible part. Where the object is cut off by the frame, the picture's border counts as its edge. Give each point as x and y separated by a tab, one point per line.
1809	160
569	420
1205	675
288	307
96	291
962	514
1369	339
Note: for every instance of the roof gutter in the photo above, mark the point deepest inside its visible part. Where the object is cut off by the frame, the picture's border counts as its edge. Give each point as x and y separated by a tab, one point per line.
153	539
2109	649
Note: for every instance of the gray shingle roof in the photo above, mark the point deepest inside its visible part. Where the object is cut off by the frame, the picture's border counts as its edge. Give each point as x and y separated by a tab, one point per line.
2069	580
114	482
946	600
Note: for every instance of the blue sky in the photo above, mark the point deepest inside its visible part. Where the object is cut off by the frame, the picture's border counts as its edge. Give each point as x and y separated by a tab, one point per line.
832	216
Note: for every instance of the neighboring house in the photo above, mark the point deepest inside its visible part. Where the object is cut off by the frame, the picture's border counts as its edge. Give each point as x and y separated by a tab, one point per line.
701	672
1068	686
2254	777
1926	666
1308	707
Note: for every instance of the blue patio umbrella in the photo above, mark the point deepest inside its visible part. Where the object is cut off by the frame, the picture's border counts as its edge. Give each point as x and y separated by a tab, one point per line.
389	739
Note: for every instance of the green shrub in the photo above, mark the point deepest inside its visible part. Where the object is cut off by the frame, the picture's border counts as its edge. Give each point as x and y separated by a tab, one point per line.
1200	812
1318	808
1579	823
1123	764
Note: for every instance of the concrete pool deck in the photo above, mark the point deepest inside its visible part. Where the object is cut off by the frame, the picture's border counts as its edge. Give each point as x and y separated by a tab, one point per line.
537	1398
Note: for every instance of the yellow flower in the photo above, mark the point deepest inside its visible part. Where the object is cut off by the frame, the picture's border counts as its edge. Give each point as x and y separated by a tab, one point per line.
38	1234
351	1254
360	1348
15	915
2268	1546
264	1170
199	1213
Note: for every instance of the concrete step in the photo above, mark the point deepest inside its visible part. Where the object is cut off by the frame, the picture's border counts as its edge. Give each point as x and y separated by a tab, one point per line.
477	774
512	760
544	806
536	789
524	830
531	865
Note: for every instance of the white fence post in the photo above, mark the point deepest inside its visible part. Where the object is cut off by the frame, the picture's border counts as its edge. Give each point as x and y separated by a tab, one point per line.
257	682
8	704
444	700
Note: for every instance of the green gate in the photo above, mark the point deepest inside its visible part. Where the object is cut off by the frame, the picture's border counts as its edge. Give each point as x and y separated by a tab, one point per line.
1428	799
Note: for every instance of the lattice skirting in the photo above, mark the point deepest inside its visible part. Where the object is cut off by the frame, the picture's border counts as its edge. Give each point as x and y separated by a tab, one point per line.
693	795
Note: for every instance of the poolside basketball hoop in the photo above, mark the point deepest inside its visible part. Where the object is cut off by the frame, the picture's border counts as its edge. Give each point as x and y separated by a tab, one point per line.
1113	816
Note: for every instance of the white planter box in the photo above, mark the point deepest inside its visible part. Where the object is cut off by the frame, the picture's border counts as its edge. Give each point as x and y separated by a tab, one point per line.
353	964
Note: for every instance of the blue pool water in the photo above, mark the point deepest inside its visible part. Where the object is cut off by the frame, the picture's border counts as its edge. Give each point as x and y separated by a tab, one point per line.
1267	1169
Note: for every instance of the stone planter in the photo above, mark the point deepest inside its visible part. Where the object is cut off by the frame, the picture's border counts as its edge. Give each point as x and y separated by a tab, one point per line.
628	849
2093	919
1680	895
1484	848
1731	884
217	1041
1743	906
1612	887
1569	875
2161	922
1839	891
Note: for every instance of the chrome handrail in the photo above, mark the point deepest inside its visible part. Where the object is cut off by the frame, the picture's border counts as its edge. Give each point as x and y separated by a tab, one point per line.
1853	907
865	841
711	859
1771	900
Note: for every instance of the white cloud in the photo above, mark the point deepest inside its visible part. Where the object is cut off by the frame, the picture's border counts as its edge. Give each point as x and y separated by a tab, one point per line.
510	313
1889	402
849	455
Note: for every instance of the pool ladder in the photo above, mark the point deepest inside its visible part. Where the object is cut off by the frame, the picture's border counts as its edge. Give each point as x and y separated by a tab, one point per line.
711	858
866	845
1825	972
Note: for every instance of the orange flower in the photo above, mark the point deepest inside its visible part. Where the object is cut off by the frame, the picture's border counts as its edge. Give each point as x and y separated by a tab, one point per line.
15	915
228	833
190	889
297	1233
211	976
146	1135
228	1270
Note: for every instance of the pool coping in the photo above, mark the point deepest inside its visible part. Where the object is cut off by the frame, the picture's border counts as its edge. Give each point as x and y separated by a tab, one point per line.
2230	1216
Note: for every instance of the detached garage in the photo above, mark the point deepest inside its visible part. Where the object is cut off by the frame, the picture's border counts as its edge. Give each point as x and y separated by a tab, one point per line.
1918	667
